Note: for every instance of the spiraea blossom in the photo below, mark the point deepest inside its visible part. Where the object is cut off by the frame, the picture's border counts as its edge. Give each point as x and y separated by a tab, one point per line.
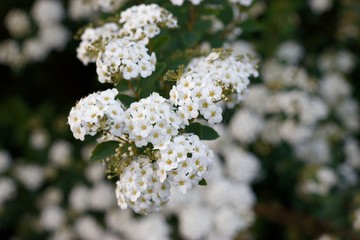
124	58
184	162
144	21
152	120
50	34
119	49
93	39
97	112
79	9
197	2
181	2
17	22
152	148
155	153
47	12
209	80
140	189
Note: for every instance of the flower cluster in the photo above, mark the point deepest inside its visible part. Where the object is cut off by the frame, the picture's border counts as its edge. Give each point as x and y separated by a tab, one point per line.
181	2
79	9
94	39
144	21
219	76
172	159
140	189
278	112
152	130
153	149
25	45
97	112
119	48
197	2
184	162
224	207
17	22
152	120
124	58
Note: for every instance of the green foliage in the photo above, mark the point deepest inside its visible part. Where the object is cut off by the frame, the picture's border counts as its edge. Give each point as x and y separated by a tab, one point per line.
151	84
126	99
202	182
104	150
204	132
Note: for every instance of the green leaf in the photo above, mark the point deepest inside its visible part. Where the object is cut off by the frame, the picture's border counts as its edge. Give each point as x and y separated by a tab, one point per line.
226	15
204	132
122	86
190	39
104	150
126	99
202	182
148	85
202	26
251	26
160	42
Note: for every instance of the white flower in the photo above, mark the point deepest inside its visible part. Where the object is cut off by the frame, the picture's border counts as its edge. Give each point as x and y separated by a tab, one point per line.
60	153
17	22
7	189
87	228
210	80
144	20
31	176
47	12
95	113
151	120
101	196
5	161
39	138
90	35
11	54
290	51
141	192
195	222
334	88
246	125
240	165
320	6
52	217
242	2
185	161
79	198
124	58
180	2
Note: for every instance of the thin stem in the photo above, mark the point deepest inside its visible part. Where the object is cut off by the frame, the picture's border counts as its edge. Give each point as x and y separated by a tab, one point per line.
192	17
120	138
133	90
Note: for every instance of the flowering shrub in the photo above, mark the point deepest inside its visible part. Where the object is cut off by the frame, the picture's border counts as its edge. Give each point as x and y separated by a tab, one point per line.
108	135
153	145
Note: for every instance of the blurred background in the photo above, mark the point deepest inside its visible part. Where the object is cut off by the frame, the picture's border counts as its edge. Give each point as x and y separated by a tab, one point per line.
292	168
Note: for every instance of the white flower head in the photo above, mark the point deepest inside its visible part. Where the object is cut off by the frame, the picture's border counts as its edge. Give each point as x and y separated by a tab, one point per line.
97	112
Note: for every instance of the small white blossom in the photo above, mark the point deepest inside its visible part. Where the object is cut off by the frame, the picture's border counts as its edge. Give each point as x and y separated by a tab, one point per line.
97	112
142	193
207	82
144	20
17	22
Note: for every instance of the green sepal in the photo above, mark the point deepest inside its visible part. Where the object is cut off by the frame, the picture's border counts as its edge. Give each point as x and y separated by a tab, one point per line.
202	182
